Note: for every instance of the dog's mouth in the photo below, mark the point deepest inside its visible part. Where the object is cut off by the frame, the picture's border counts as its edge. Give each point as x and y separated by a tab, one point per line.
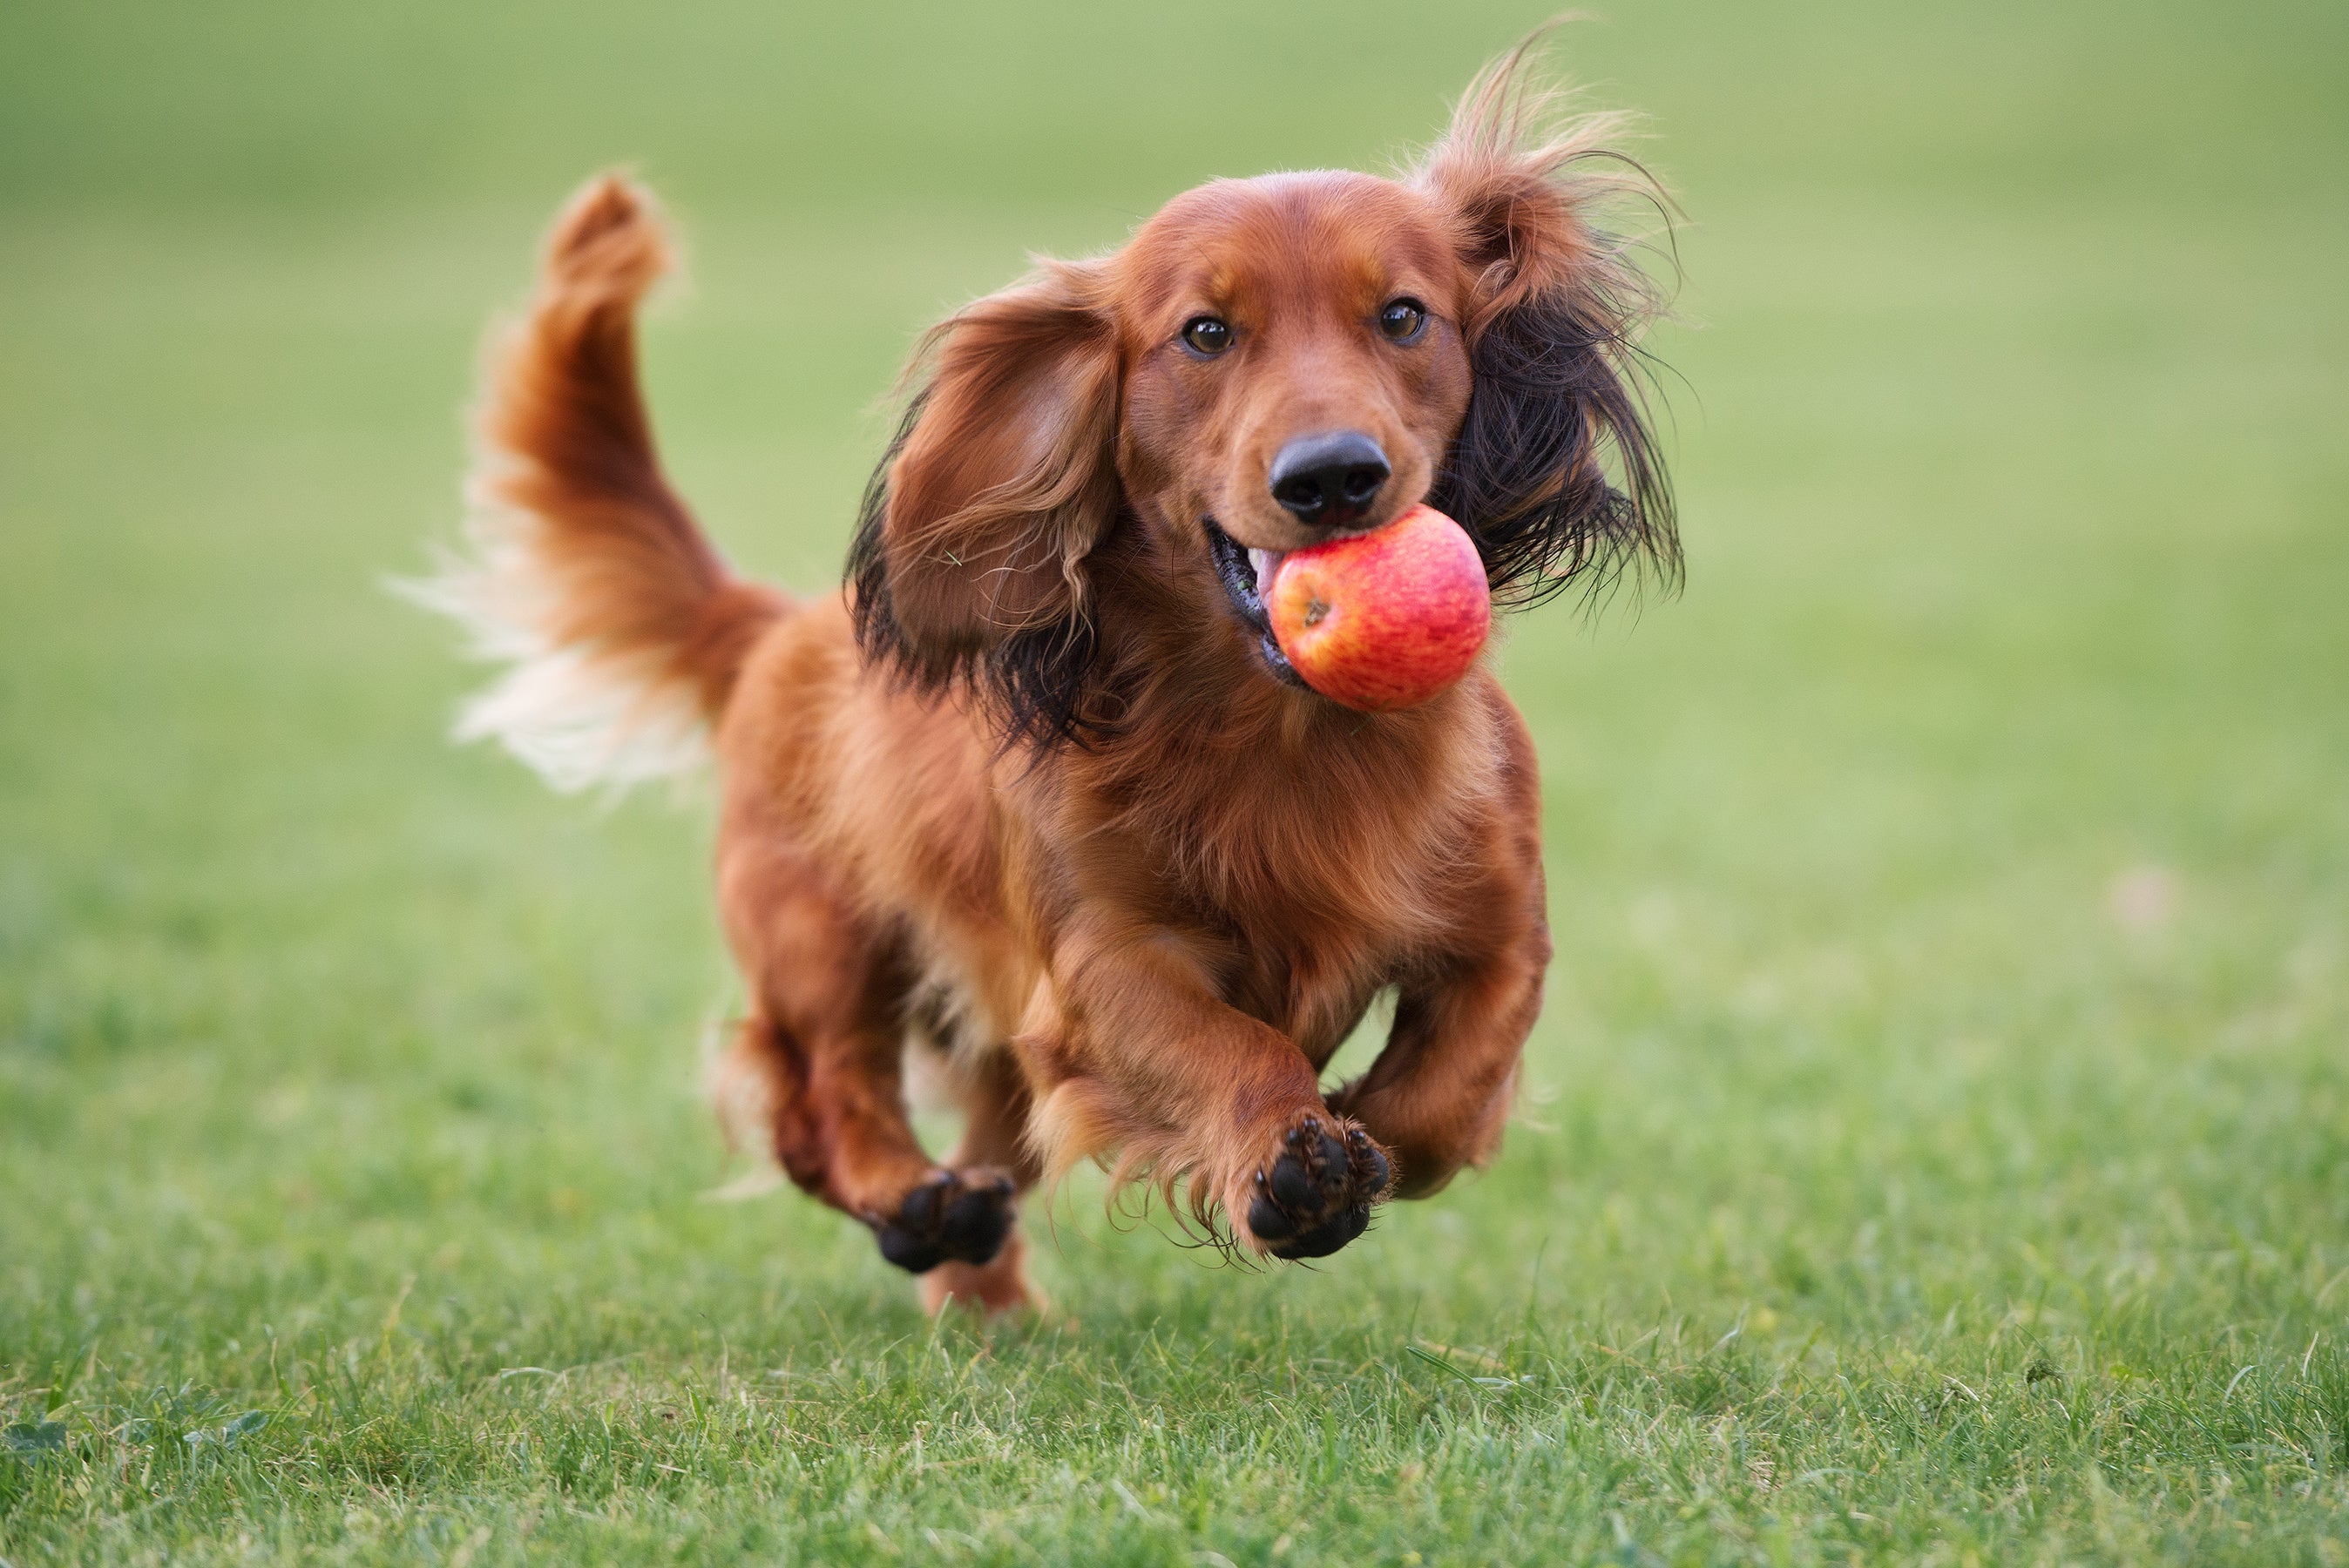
1244	572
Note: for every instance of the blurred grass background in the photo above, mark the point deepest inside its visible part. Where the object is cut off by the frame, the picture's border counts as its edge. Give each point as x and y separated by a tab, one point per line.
1936	1147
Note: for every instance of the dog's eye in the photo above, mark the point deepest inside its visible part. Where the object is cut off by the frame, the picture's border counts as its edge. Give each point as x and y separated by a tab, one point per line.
1402	319
1208	335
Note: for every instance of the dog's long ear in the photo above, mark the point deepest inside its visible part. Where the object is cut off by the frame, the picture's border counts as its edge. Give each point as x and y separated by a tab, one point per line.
969	559
1557	306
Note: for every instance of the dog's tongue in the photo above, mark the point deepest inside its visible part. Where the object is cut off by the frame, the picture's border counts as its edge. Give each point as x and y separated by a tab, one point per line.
1267	562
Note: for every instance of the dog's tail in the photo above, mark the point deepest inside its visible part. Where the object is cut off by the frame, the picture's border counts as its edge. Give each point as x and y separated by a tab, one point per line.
584	572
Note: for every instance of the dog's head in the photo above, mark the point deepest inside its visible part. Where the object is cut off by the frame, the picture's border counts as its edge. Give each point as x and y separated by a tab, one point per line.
1265	363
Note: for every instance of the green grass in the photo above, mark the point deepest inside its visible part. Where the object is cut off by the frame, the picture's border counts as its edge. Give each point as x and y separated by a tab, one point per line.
1936	1147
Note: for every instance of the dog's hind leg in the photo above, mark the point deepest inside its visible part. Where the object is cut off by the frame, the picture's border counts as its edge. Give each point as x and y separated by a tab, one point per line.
995	1101
827	1035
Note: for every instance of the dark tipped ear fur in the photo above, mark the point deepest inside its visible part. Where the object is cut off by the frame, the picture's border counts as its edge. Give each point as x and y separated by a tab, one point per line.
969	558
1551	335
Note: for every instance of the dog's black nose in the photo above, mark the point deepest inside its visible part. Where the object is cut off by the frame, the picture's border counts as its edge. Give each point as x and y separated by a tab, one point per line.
1330	479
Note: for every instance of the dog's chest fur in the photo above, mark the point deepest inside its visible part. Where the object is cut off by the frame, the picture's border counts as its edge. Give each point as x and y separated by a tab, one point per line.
1306	868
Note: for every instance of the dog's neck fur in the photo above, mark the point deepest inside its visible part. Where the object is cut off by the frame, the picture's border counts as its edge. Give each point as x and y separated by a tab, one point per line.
1315	843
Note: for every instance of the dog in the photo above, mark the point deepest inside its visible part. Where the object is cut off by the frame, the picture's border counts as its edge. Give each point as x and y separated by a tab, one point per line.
1036	791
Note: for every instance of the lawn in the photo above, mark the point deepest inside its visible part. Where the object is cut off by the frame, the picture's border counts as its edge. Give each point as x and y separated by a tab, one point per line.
1936	1145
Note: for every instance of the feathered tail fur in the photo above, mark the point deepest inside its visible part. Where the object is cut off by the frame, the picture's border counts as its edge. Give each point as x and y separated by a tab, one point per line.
622	628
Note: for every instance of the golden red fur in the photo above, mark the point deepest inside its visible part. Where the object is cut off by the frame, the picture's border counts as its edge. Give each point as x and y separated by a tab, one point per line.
1036	790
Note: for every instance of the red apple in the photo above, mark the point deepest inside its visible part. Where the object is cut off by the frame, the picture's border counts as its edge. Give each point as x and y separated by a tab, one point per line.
1383	620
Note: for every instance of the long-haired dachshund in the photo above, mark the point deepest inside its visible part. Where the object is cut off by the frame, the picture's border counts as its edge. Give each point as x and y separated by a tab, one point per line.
1036	790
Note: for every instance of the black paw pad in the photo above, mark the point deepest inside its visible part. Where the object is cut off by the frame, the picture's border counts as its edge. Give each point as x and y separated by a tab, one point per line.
1317	1195
959	1214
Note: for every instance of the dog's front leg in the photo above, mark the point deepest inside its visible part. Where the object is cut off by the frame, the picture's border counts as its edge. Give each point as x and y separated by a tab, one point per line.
1438	1093
1139	1056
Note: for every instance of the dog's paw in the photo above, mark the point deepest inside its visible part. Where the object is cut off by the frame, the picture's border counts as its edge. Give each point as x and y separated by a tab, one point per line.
989	1290
957	1216
1316	1194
